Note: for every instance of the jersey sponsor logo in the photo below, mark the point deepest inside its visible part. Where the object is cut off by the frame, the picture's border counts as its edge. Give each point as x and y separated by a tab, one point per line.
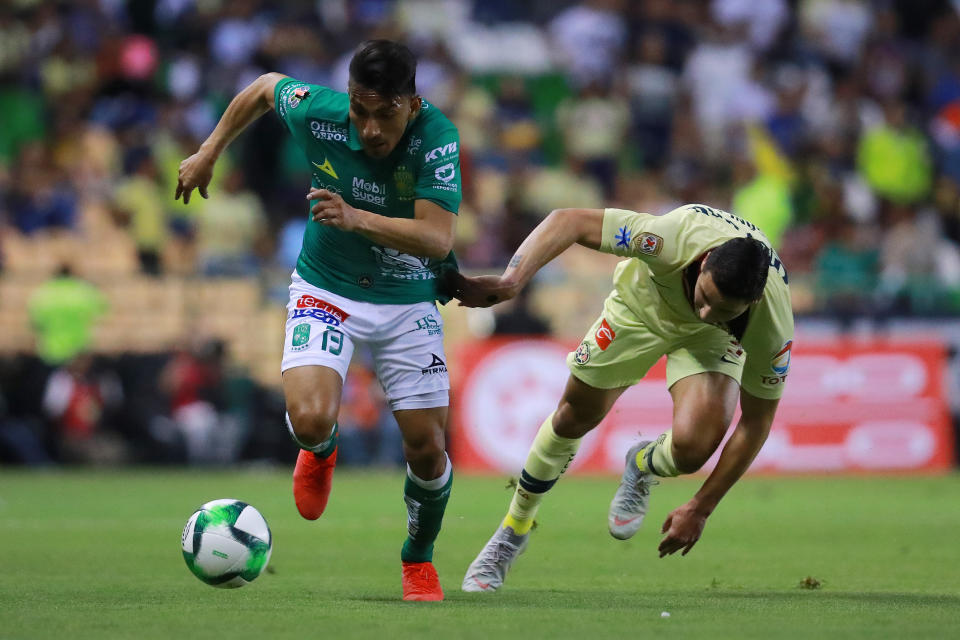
436	366
395	264
649	243
371	192
604	335
623	237
441	152
323	130
334	314
445	173
429	324
780	363
301	337
327	168
582	354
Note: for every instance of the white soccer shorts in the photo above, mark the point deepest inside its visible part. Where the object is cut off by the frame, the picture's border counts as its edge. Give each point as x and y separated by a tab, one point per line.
405	340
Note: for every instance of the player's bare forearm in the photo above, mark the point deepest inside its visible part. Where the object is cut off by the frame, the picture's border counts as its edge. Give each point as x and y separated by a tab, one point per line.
558	232
739	452
417	237
248	105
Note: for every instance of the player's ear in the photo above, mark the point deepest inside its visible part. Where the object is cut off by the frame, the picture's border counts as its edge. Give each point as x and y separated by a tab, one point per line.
416	102
704	260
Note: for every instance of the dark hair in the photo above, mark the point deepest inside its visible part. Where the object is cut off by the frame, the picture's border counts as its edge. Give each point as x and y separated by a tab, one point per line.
739	268
384	66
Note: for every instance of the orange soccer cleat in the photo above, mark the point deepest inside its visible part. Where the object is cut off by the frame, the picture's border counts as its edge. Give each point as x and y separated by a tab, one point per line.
312	479
420	582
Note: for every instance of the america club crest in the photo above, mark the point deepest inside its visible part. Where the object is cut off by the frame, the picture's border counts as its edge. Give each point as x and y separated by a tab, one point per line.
582	354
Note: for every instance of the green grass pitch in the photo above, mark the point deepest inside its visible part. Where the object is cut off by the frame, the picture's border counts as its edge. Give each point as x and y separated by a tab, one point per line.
97	555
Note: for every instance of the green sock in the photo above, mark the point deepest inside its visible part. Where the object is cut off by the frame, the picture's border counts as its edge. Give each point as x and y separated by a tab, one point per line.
426	501
322	450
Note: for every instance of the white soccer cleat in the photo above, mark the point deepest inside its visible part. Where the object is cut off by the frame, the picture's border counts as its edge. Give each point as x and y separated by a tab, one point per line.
629	504
488	570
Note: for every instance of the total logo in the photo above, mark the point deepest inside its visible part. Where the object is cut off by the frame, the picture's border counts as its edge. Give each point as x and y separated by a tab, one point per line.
371	192
780	364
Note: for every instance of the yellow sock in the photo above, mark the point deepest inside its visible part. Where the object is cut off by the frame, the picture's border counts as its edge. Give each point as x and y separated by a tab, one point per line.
657	457
548	458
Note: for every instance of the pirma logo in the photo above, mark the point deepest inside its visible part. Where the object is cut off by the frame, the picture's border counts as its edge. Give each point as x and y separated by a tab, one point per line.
436	366
781	362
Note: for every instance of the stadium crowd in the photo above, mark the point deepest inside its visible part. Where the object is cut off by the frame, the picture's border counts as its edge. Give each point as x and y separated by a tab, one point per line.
832	124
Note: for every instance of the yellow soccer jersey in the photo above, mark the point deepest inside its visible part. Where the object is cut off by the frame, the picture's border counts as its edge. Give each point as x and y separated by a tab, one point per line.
657	283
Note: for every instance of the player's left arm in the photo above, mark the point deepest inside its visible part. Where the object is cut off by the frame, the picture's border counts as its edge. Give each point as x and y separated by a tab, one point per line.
684	525
429	233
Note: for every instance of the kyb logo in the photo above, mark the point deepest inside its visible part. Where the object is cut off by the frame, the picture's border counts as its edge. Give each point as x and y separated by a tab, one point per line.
372	192
441	152
328	131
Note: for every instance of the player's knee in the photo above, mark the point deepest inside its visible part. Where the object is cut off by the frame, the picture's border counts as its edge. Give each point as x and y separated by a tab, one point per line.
312	422
424	448
692	452
574	420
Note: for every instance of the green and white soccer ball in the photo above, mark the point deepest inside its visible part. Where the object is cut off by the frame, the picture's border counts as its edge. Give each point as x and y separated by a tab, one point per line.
226	543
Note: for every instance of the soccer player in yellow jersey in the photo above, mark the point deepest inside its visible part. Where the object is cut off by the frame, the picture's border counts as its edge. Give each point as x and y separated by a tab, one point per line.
699	285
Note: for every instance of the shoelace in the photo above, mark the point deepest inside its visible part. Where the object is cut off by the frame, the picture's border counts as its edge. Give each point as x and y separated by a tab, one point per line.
491	558
641	489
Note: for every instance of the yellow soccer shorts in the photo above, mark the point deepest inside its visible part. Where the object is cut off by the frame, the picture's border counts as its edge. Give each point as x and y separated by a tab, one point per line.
621	346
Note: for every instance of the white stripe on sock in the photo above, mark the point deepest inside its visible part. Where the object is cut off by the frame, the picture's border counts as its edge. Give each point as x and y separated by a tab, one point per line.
436	483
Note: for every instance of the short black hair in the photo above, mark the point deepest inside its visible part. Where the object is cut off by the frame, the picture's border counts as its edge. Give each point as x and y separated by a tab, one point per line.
385	66
739	268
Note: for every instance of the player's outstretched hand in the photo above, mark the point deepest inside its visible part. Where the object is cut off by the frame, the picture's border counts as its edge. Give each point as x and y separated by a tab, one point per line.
330	209
482	291
683	527
196	172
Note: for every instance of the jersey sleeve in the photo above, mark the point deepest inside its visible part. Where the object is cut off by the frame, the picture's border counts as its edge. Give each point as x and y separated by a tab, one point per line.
438	170
656	240
292	100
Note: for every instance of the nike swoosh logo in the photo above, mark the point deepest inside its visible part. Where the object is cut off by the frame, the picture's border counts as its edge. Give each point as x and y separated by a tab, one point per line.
724	359
617	521
482	585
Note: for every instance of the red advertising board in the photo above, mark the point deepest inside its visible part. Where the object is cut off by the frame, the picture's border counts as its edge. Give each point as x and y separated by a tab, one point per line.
848	406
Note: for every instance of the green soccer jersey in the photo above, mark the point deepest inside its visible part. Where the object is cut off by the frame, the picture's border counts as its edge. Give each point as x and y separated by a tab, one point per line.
424	165
657	284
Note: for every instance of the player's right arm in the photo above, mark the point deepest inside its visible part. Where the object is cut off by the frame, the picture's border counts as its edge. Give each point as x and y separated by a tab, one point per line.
248	105
558	232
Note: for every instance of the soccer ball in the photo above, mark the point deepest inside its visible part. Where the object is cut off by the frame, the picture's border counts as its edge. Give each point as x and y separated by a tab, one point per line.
226	543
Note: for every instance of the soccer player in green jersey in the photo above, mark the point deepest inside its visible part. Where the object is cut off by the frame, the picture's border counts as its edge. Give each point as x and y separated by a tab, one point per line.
383	204
704	288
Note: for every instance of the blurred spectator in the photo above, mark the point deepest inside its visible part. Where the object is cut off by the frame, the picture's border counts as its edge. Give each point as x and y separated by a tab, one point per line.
368	432
588	38
140	201
39	196
846	269
594	125
918	267
763	199
63	312
194	382
653	88
894	158
228	229
79	401
518	318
